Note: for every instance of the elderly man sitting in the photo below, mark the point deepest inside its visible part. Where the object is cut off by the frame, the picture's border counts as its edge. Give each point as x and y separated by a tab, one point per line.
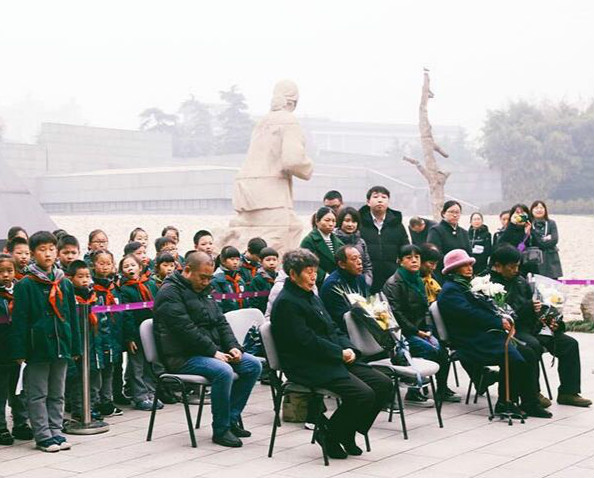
193	337
348	277
313	351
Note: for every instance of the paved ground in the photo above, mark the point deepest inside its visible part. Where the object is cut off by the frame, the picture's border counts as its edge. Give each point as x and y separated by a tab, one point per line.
468	445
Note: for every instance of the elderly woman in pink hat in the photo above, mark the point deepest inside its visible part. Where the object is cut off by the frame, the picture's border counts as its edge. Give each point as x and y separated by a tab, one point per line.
478	334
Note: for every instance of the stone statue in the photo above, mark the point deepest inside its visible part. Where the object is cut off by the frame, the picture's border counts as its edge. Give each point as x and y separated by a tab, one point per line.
263	189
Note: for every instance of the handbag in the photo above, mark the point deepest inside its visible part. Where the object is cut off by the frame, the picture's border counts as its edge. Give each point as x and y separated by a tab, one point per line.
532	256
295	407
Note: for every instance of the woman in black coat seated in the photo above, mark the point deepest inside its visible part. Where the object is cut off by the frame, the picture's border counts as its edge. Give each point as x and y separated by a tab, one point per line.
448	235
478	334
314	352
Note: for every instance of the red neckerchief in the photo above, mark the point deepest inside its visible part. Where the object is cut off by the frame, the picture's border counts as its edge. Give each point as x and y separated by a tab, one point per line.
93	320
54	295
234	280
18	275
145	292
109	297
9	299
252	268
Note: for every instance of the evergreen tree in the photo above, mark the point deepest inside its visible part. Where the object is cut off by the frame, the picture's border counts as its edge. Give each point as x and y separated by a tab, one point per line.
193	134
235	123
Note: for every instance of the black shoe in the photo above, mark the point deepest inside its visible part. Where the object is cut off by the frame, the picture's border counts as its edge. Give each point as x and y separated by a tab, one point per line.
333	448
537	411
512	408
22	432
227	439
239	431
5	437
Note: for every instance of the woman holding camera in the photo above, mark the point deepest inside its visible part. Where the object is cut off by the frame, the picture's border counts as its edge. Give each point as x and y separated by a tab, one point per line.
546	237
519	233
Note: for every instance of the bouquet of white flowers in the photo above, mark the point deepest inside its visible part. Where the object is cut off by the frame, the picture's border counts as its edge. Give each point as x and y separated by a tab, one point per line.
548	292
493	293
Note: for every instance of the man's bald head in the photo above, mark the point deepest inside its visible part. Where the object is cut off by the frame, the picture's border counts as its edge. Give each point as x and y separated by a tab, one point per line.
197	259
198	270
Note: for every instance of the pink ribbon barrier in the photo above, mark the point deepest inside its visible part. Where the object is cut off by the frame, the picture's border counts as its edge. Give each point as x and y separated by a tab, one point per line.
98	309
576	281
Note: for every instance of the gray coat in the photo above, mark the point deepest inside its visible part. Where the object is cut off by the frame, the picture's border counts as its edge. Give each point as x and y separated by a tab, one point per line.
545	236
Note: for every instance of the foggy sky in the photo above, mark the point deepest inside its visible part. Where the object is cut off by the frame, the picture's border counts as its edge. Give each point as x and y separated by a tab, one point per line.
353	61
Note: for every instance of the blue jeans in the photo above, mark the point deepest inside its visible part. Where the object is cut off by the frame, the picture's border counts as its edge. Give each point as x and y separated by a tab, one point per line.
421	348
228	398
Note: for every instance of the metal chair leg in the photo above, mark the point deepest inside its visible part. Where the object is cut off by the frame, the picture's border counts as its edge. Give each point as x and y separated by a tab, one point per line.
200	406
456	373
188	416
546	378
395	380
149	434
277	405
401	408
367	443
437	400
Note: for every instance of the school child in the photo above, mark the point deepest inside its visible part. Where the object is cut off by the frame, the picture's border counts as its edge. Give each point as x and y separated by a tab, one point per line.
168	245
165	265
9	371
138	250
264	279
250	260
80	276
137	288
138	234
18	247
16	231
68	251
171	232
228	280
98	241
112	330
45	335
59	233
204	241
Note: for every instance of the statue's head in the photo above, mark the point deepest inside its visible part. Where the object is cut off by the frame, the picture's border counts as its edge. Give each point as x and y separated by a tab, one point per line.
284	96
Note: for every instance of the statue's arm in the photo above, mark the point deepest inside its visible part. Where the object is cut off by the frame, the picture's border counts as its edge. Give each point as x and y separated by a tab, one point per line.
294	160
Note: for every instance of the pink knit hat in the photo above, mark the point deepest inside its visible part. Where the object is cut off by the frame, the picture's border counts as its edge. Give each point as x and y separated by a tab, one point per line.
455	259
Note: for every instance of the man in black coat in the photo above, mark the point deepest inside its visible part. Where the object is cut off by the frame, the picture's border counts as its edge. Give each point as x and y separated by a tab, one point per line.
313	351
418	228
504	270
384	233
193	337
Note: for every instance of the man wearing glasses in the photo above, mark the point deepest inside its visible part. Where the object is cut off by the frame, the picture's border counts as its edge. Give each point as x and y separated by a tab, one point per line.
193	337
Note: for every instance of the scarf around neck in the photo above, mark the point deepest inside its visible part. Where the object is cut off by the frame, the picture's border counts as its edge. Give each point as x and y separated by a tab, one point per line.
42	277
90	299
462	281
414	281
139	284
234	278
6	294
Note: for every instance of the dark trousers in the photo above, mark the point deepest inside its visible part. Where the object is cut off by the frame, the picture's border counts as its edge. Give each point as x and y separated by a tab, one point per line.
567	350
363	394
523	375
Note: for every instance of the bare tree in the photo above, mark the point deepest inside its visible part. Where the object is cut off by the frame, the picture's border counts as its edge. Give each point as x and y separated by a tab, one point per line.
435	177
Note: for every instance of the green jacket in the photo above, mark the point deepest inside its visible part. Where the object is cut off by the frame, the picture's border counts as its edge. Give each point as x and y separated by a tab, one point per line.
134	318
263	281
38	335
316	244
221	285
111	324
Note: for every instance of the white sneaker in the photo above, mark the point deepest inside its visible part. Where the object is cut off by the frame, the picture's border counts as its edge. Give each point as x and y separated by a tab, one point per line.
49	446
62	443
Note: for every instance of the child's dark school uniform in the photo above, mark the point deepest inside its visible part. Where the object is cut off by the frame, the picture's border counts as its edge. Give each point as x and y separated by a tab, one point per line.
9	370
248	269
225	281
45	333
263	281
138	369
111	332
85	295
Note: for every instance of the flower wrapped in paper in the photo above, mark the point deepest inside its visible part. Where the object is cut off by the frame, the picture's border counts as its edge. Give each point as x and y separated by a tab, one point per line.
548	292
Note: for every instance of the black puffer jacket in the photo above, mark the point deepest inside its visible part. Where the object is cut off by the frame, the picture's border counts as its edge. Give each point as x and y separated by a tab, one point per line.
408	307
188	323
383	247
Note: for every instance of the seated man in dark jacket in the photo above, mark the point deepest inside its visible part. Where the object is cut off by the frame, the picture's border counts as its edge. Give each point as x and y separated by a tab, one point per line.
477	332
193	337
314	352
347	278
505	266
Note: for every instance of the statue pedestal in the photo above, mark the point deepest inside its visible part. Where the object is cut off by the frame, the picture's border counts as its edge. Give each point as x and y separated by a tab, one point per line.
280	228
